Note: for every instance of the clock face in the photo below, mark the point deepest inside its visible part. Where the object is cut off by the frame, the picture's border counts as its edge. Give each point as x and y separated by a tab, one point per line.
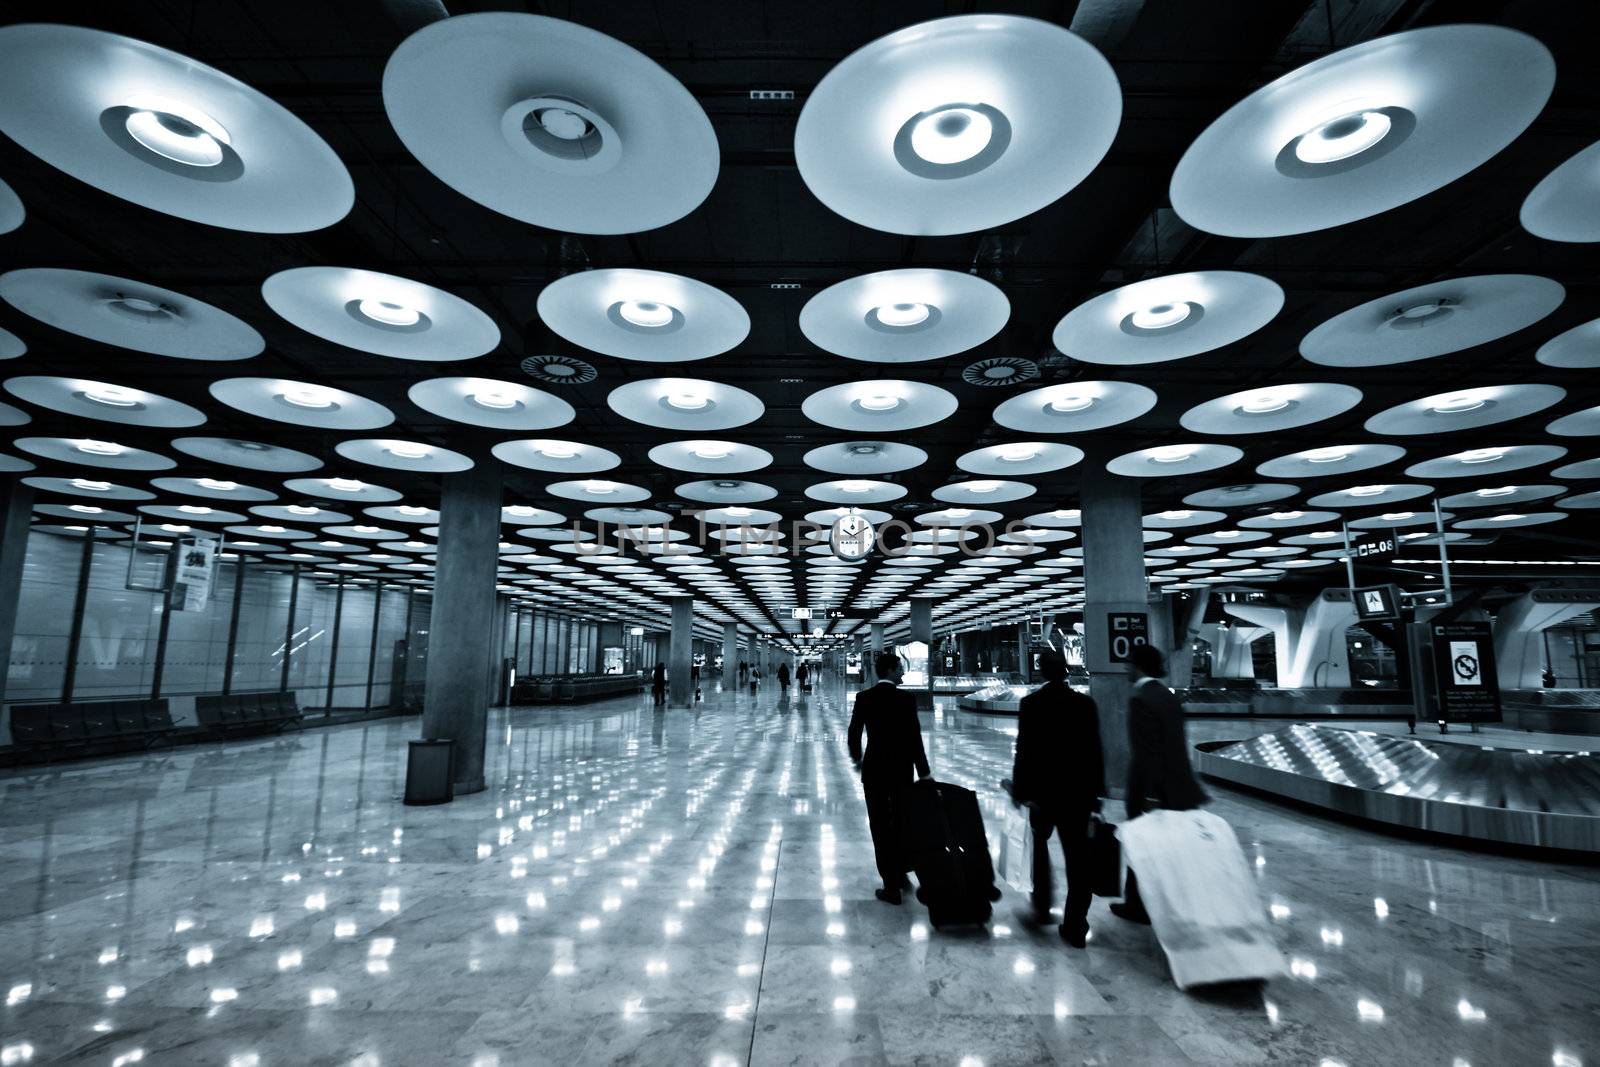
852	537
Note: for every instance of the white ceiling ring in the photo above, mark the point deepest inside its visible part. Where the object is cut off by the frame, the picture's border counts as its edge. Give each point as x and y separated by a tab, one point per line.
13	416
213	489
84	513
1432	320
1577	348
1249	493
1377	494
1328	460
1059	519
1179	518
403	455
11	346
94	452
304	514
1586	468
1503	496
380	313
617	516
1167	461
1582	501
726	491
978	491
166	131
343	490
1075	407
1288	519
1399	520
829	516
1585	423
879	406
598	491
250	455
1020	458
1271	408
491	403
1220	538
301	403
958	124
551	123
1484	461
905	316
561	457
129	314
855	491
710	457
865	458
104	401
1511	520
1561	206
1465	409
1173	317
1363	130
692	404
644	315
92	488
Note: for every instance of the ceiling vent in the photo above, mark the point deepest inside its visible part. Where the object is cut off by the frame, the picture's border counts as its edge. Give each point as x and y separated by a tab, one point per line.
1000	370
559	370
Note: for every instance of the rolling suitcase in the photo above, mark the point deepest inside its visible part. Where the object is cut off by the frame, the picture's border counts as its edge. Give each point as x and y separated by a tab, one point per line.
1201	896
945	843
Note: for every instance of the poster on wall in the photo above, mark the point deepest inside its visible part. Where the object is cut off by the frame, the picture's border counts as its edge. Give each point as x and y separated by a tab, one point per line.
1464	672
1127	630
194	566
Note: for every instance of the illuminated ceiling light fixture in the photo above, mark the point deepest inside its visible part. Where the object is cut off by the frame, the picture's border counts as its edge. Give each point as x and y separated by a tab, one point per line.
855	485
1396	516
307	396
1160	316
710	450
100	448
1176	515
176	131
901	315
952	134
688	400
1480	455
344	485
1504	490
194	509
88	485
114	396
557	449
599	487
1266	402
1342	137
301	509
1332	454
1285	516
1368	490
1017	453
649	314
217	484
1457	403
388	312
879	402
982	486
1507	518
408	450
1171	453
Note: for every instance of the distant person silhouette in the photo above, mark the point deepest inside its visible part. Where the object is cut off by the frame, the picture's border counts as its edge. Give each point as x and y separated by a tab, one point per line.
658	683
888	716
783	678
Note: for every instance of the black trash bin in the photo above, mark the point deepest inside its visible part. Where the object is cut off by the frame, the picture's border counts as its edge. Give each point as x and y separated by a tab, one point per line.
430	771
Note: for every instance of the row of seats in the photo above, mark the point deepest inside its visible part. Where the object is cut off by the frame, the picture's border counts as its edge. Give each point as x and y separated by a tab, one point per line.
244	711
572	688
66	725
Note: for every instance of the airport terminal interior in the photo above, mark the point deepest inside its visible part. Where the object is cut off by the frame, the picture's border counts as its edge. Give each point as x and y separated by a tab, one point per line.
472	466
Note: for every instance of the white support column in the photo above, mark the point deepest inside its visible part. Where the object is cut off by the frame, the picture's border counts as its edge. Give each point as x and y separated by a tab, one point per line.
1519	632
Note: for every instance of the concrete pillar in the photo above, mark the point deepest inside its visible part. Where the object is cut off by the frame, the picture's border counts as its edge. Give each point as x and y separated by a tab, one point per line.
1191	614
921	621
461	656
1024	662
869	662
730	656
1113	574
16	510
680	653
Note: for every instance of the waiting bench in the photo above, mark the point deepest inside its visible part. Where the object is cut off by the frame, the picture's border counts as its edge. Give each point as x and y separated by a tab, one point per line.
226	712
572	688
39	726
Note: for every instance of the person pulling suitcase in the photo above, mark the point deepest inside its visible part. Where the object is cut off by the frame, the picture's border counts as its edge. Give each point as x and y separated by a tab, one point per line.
887	715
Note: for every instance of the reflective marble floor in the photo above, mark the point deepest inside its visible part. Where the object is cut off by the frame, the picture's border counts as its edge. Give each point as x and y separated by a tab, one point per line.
695	887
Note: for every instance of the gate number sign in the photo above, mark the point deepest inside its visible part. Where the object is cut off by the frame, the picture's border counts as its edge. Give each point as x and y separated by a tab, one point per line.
1127	629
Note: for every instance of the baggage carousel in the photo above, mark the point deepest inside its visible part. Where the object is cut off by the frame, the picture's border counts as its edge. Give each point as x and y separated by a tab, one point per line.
1527	797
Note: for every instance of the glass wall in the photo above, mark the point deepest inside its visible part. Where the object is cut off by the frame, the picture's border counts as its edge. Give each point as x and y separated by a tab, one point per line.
44	617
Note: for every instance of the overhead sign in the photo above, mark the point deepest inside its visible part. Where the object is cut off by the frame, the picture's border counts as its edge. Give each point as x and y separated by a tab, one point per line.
1127	630
195	563
1464	672
800	613
1375	549
1377	603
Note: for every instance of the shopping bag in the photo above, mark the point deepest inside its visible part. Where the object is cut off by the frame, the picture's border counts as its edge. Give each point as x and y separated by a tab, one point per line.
1016	851
1202	898
1105	859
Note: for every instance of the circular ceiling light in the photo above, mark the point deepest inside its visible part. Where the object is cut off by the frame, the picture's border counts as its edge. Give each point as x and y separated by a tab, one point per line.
301	395
1457	403
1171	453
129	314
608	143
1432	320
878	401
691	404
899	316
686	399
11	210
1331	454
382	314
710	450
388	313
1577	348
302	403
643	315
1363	130
1166	318
1561	206
163	130
1266	402
905	316
957	125
1464	409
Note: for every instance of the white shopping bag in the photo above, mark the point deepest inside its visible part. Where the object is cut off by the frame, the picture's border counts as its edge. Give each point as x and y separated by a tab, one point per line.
1201	896
1016	851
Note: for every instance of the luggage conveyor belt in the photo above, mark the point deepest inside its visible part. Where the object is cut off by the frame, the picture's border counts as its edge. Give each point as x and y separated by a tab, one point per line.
1523	797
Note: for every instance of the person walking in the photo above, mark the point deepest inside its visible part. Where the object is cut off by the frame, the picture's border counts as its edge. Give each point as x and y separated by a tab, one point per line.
1159	772
802	675
887	715
1059	775
658	684
783	678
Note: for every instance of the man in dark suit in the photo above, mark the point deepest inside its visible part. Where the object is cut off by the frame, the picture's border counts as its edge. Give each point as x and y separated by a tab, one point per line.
1159	772
1059	773
888	714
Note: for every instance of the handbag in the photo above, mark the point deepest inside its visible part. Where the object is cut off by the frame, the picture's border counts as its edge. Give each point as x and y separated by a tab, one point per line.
1105	858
